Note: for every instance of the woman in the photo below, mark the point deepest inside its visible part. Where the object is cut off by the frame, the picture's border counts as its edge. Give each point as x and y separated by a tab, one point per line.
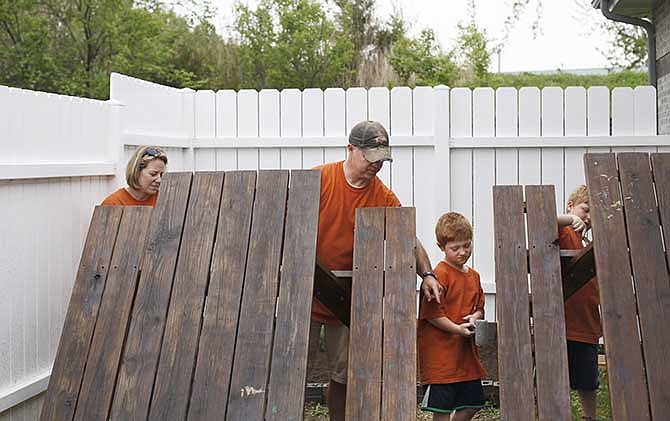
144	172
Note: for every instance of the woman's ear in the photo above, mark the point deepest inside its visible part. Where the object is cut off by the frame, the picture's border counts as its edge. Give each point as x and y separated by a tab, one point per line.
569	205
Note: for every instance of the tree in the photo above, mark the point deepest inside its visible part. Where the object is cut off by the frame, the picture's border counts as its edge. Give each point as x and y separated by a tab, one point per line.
629	47
71	46
372	40
291	43
421	62
472	48
25	57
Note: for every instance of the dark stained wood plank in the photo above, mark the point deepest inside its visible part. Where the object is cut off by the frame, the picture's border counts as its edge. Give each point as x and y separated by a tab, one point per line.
551	359
172	386
248	385
617	305
82	313
97	387
364	374
486	338
286	388
660	163
512	311
142	349
399	318
333	293
650	274
219	326
578	270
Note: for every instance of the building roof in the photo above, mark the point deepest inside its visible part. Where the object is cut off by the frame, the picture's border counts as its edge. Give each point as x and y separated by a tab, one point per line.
633	8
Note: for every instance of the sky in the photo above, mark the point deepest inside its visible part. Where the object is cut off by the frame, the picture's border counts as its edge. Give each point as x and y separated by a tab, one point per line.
570	37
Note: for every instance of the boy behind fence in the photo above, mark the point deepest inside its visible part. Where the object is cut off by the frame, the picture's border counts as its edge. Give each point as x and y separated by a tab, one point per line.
582	316
448	358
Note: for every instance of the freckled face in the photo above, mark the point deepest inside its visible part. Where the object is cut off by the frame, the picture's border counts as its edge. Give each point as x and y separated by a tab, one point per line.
457	252
582	211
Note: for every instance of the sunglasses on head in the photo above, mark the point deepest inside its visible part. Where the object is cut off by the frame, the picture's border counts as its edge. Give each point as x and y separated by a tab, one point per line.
151	153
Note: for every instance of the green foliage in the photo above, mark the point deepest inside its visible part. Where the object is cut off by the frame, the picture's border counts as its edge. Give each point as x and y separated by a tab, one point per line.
25	59
420	61
291	44
629	49
562	79
70	47
473	51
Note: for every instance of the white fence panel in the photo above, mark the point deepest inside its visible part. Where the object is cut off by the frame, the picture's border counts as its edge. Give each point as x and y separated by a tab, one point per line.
402	168
291	126
335	121
530	159
598	103
379	109
507	117
312	125
247	126
150	108
575	125
269	126
429	174
552	126
226	127
483	174
205	127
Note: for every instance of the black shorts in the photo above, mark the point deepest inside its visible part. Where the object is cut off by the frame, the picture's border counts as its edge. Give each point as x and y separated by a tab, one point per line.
453	396
583	365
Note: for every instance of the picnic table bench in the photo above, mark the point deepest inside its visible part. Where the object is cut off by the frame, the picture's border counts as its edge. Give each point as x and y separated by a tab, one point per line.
630	214
199	309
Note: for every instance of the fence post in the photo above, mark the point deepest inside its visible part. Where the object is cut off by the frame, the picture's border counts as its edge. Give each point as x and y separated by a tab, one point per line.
116	150
442	153
188	127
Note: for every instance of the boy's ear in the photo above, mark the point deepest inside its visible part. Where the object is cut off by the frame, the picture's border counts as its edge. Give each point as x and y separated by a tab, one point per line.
441	247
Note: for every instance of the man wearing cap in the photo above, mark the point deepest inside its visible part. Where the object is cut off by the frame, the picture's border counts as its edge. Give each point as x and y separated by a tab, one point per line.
345	186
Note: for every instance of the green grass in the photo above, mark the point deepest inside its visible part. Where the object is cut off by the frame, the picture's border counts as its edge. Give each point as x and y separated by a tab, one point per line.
317	412
603	411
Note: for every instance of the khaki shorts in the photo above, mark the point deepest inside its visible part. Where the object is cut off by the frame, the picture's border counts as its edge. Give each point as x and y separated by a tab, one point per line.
336	342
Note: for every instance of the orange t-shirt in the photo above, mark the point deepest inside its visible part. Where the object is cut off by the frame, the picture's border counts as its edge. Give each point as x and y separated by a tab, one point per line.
121	197
337	213
448	357
582	316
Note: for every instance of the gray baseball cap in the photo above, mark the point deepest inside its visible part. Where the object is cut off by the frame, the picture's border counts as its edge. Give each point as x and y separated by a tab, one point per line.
372	137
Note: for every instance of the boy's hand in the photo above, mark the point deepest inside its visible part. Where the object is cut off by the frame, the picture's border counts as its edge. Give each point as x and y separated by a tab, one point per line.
472	318
466	329
577	224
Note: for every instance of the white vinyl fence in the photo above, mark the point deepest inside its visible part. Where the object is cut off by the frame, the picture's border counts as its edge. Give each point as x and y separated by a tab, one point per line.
59	156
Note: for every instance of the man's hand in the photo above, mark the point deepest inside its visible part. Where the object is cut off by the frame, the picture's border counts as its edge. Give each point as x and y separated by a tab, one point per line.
431	288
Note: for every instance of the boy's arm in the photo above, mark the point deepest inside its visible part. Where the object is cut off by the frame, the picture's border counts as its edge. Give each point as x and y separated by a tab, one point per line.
472	318
572	220
445	324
